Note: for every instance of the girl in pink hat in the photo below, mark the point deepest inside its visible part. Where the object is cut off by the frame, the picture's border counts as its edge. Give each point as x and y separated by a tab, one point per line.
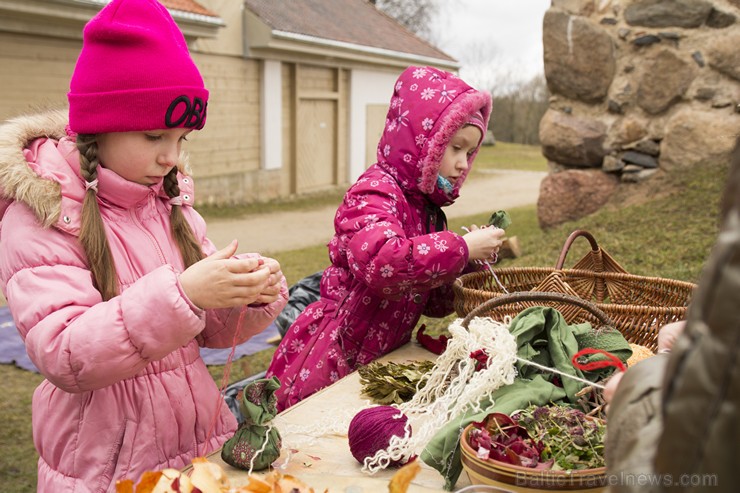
392	257
108	272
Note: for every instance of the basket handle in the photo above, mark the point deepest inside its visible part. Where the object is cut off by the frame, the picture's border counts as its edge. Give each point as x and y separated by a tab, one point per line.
575	234
538	296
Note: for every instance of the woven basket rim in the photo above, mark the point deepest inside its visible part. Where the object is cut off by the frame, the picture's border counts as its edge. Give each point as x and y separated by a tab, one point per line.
612	307
575	272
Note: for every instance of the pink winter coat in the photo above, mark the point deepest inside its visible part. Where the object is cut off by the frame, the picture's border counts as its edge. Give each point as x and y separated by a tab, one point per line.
126	390
392	259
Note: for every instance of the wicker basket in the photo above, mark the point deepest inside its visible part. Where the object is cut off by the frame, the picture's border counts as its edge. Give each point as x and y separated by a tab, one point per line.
591	311
637	305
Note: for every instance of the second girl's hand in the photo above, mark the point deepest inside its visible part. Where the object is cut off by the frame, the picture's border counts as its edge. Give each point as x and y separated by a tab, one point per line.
490	268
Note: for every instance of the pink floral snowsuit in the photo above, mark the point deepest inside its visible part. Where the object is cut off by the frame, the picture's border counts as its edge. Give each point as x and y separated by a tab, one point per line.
392	259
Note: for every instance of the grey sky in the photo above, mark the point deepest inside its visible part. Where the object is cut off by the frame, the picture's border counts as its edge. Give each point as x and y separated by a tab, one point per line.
495	40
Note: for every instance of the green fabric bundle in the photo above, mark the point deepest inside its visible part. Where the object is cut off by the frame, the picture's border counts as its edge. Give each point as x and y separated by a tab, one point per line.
542	336
258	406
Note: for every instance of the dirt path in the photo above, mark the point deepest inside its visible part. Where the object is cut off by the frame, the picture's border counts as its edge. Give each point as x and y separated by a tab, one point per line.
282	231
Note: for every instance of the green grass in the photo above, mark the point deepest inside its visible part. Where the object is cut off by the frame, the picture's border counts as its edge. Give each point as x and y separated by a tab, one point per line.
668	235
18	458
506	155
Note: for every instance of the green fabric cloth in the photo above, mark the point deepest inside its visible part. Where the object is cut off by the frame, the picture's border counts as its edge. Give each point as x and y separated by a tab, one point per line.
258	405
542	336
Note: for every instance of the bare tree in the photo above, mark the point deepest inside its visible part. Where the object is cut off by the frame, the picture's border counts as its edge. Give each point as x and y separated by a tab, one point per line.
518	105
480	63
517	112
415	15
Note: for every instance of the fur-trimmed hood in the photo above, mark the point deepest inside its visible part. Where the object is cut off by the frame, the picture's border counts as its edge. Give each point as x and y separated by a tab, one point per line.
17	180
427	108
39	166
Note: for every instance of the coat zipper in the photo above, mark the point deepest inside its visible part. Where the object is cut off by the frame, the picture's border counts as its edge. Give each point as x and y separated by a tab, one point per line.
139	224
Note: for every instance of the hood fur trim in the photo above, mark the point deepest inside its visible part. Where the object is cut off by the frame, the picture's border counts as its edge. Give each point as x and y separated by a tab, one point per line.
456	116
17	180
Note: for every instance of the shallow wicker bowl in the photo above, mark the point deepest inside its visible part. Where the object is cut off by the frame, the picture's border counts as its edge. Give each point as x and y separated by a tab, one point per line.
525	479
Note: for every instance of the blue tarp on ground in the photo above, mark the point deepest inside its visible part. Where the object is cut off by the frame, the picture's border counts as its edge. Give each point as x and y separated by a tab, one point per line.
12	350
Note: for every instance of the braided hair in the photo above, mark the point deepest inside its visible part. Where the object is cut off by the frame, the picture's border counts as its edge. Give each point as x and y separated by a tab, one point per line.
92	232
190	249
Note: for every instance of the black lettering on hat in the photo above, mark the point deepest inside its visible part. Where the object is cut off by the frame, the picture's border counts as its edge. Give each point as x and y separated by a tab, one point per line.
203	117
171	110
192	116
196	119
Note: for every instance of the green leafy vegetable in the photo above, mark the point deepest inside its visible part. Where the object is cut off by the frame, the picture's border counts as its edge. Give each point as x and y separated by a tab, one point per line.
500	219
556	438
570	438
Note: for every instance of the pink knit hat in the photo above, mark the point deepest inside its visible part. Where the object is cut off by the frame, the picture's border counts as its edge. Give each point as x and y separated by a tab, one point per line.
135	73
476	119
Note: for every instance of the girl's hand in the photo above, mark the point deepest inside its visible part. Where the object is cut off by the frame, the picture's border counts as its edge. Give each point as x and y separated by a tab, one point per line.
483	242
274	283
611	387
220	281
668	335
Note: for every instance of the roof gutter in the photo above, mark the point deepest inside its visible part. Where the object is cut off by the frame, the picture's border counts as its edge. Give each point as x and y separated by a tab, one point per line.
371	50
198	18
191	24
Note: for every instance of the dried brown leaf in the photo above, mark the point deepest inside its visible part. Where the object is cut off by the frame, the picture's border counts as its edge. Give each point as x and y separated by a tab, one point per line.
402	478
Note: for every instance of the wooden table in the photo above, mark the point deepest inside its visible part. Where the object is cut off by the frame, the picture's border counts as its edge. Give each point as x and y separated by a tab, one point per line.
325	461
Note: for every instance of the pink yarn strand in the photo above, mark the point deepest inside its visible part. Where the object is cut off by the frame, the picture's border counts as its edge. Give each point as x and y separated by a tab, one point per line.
224	382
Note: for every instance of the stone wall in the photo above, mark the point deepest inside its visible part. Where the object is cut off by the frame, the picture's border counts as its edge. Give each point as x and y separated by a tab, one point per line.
639	87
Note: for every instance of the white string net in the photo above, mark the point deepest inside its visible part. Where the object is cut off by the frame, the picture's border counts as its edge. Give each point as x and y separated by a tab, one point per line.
453	387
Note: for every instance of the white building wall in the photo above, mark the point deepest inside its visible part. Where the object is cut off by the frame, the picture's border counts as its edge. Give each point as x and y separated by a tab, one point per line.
272	114
366	87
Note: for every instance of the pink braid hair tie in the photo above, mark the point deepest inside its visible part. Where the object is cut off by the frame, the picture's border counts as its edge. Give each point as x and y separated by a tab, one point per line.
176	201
92	185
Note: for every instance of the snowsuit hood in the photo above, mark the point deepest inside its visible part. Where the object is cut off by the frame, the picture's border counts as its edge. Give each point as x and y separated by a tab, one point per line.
427	108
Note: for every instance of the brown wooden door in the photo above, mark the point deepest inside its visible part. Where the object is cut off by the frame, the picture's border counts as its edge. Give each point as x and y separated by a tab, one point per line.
316	146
